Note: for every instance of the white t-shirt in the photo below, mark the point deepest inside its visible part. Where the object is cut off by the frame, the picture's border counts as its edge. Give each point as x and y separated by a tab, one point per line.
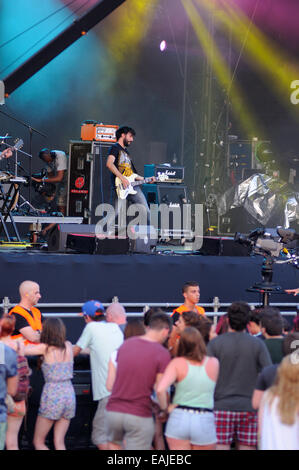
60	162
274	434
102	339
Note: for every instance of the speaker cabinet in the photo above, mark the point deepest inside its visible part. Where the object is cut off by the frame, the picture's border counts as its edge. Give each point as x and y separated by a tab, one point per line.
89	180
173	197
58	238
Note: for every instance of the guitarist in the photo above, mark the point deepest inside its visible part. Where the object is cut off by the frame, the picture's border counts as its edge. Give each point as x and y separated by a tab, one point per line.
120	164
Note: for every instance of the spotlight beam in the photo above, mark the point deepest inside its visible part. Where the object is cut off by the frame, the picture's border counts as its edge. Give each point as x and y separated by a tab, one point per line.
240	106
61	42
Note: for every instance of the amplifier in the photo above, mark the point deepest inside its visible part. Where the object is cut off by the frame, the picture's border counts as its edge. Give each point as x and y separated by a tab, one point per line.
89	180
92	130
172	174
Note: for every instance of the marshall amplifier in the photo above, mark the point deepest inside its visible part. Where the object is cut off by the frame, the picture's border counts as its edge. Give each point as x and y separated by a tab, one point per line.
167	173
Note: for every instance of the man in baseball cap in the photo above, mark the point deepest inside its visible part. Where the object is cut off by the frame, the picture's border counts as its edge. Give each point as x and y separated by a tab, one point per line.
101	338
92	309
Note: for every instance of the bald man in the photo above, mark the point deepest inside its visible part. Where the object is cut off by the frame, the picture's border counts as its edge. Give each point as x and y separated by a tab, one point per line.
116	313
28	317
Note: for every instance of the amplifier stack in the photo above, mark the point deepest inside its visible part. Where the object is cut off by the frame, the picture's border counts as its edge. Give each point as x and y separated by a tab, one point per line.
172	192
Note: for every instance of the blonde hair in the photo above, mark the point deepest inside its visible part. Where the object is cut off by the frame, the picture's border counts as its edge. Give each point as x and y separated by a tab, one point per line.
286	389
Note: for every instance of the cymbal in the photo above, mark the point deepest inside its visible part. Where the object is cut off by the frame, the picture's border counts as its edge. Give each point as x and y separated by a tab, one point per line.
5	137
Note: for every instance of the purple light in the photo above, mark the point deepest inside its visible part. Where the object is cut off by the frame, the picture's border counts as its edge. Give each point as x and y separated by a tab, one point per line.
163	46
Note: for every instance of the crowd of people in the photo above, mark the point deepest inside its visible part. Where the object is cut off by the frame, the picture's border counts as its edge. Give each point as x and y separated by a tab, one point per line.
164	382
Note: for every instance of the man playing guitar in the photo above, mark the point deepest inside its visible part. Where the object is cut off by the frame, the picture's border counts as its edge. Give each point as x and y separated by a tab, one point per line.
121	166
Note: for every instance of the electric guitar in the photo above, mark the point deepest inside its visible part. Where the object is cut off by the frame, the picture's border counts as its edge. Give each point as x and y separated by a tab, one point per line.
17	146
122	192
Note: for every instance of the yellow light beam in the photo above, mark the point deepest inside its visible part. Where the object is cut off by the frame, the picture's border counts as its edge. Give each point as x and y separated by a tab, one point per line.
269	58
129	29
239	105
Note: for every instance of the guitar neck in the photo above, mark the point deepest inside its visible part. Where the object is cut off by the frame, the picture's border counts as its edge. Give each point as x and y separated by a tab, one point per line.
137	183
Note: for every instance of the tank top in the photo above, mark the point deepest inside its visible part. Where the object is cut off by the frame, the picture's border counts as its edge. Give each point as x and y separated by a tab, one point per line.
196	389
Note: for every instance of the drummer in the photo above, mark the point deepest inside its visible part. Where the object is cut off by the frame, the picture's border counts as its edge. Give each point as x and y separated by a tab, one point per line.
6	153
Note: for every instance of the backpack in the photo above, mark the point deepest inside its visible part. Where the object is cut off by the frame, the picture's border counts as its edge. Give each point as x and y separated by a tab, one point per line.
23	376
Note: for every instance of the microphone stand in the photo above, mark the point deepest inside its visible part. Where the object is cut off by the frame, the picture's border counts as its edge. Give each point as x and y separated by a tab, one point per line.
31	130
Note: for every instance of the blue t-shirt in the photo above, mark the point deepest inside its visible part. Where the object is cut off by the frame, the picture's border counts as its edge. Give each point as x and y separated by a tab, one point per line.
8	368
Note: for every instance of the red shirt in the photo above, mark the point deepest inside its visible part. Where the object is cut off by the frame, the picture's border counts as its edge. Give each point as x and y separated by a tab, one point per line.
138	363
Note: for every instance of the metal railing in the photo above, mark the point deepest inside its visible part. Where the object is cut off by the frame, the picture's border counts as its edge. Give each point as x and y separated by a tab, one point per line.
135	309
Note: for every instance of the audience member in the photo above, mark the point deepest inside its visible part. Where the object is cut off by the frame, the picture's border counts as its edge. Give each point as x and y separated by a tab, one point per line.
58	401
222	325
272	326
191	423
134	327
207	329
296	324
116	313
149	313
102	338
286	328
28	318
267	376
184	320
191	294
241	358
8	384
141	360
254	326
18	402
279	410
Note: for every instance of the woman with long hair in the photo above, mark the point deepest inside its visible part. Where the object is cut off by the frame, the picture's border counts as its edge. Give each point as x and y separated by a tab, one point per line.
58	401
279	410
191	422
16	415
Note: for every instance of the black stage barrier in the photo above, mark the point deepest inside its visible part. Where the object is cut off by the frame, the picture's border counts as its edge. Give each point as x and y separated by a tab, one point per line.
75	278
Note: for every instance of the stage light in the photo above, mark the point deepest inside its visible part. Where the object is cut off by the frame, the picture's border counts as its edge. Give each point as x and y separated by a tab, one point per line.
163	45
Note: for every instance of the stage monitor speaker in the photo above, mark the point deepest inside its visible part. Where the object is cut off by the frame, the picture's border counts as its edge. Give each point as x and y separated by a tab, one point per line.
90	244
58	238
89	180
143	239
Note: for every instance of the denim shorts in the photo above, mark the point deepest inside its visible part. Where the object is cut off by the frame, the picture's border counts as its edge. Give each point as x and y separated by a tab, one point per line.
197	427
3	427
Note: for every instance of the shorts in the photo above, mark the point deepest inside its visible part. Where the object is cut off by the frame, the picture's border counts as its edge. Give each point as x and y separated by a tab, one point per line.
19	409
99	425
3	427
137	431
197	427
236	425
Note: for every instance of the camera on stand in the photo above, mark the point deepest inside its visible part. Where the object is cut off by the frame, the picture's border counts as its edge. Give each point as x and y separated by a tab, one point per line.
277	246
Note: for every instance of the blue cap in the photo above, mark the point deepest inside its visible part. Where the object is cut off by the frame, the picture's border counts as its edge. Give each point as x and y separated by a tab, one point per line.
90	308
